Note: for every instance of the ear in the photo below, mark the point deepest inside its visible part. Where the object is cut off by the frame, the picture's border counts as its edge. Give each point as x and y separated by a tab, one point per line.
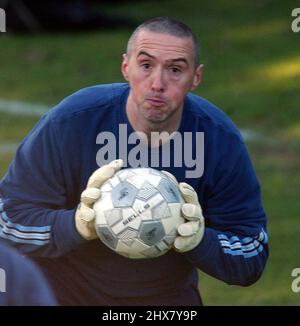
124	67
197	77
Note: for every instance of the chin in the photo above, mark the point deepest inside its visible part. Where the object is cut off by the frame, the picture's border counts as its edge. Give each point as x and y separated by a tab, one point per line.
155	116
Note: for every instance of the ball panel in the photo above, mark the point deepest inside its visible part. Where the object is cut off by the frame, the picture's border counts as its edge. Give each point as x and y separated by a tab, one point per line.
163	245
170	238
161	211
154	180
107	236
127	242
152	252
100	216
128	234
113	216
114	181
151	232
123	194
169	191
146	191
155	201
125	174
175	210
170	225
134	250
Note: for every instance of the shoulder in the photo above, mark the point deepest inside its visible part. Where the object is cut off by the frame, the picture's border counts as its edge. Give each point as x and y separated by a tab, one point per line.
93	99
210	118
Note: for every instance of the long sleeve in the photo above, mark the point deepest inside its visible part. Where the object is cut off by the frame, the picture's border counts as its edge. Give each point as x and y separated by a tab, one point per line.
41	190
33	198
235	244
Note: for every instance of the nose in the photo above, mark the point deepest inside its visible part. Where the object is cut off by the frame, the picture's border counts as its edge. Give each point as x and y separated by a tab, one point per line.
158	84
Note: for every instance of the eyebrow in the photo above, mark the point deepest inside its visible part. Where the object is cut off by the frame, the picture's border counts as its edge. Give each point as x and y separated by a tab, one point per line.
153	57
146	54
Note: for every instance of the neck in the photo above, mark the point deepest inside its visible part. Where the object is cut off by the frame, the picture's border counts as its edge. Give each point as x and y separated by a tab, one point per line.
141	124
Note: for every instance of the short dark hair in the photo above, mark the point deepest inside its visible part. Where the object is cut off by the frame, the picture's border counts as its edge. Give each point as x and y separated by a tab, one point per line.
167	25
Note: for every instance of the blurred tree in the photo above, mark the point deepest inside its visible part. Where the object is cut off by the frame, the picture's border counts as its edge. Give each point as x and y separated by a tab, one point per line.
59	15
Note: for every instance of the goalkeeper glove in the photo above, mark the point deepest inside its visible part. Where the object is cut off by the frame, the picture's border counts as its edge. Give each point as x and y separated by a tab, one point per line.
191	232
85	214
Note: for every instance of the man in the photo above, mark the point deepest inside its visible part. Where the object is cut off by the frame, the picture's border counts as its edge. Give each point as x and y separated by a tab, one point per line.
21	283
53	172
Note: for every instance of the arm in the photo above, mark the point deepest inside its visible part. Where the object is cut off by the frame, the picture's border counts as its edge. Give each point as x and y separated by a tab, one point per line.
35	215
234	246
233	258
39	211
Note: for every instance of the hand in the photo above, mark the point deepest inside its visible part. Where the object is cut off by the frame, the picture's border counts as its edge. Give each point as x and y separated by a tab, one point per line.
85	214
191	232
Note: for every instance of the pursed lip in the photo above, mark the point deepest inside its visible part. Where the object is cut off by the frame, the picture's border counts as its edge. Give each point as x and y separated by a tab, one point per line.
156	101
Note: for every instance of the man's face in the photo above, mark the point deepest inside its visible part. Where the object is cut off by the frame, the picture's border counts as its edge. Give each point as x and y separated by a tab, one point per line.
160	70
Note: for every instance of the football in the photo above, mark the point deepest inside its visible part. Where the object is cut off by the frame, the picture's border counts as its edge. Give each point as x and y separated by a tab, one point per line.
138	212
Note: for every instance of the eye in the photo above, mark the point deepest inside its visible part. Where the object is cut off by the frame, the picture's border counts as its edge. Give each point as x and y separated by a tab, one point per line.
146	66
175	70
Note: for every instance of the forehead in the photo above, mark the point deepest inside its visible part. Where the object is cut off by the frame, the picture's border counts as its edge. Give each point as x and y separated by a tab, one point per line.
161	44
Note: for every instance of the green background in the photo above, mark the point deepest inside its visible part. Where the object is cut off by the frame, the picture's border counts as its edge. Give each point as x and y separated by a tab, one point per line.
252	72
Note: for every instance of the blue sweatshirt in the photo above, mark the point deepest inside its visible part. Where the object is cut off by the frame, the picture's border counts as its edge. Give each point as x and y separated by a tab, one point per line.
41	190
21	282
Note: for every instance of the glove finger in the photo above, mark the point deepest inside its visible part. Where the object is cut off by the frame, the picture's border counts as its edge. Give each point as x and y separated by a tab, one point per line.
188	193
104	173
188	229
116	164
86	214
183	243
90	195
191	212
170	175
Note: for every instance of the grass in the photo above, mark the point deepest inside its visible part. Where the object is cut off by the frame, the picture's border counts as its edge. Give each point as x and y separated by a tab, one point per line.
252	71
277	166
